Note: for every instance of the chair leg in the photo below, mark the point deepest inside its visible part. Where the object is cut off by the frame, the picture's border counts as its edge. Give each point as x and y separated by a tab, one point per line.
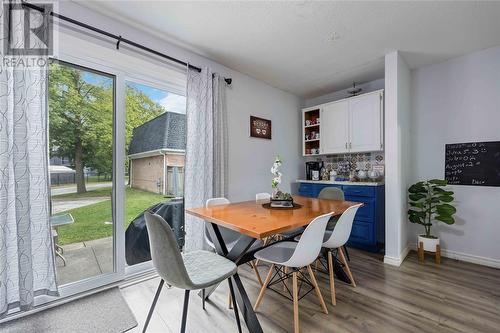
235	306
203	298
184	311
254	266
264	287
296	323
285	270
229	301
342	257
155	299
346	253
332	278
317	290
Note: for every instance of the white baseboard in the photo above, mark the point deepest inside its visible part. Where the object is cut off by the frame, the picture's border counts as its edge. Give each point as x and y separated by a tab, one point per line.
490	262
397	261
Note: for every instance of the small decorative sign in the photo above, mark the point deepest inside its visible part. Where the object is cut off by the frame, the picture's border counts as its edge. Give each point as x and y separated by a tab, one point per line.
260	128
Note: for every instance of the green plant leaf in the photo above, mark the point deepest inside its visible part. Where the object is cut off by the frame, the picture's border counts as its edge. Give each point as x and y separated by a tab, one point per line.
439	182
446	198
445	219
416	196
419	214
446	209
414	219
417	188
417	204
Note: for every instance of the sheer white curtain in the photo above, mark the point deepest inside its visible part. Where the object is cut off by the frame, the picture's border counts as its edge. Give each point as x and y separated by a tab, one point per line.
27	265
206	147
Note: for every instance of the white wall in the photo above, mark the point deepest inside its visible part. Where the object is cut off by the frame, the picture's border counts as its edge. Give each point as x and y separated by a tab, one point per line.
459	101
250	159
340	94
397	144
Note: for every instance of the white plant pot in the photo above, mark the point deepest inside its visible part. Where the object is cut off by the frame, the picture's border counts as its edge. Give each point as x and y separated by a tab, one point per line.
429	243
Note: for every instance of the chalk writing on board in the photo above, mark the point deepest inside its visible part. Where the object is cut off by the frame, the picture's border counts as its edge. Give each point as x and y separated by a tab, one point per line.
474	163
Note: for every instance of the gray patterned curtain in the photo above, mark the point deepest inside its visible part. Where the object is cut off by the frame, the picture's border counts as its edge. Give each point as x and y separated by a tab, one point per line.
27	265
206	147
220	141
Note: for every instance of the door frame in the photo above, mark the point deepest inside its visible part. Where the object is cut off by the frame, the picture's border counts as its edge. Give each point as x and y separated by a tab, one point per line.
117	67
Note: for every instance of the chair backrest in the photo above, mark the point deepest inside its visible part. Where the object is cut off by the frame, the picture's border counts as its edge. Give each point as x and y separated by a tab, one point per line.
342	229
217	202
331	193
310	243
165	252
227	234
262	196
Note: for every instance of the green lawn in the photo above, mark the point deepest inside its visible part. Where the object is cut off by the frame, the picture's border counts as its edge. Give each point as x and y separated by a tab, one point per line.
90	220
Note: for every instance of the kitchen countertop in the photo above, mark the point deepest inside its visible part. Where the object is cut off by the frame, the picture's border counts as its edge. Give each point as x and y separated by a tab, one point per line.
334	182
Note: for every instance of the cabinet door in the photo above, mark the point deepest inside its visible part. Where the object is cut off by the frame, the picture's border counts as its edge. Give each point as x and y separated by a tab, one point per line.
334	128
365	123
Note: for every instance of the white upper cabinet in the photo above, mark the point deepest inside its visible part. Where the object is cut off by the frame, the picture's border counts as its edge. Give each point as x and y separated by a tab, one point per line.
334	128
351	125
365	123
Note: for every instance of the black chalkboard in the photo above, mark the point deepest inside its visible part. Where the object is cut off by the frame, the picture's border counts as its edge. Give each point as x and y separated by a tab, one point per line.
473	163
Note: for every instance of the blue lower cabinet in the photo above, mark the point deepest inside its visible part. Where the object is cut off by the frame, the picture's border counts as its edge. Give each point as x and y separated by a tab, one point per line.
368	230
307	190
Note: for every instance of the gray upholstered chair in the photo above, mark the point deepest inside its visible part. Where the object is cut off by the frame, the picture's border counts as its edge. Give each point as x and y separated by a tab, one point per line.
188	271
333	193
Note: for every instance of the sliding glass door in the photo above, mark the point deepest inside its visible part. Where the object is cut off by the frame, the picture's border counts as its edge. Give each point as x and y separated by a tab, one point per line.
155	124
81	131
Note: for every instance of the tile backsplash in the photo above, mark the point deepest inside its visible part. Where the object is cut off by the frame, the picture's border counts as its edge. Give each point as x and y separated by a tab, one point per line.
364	161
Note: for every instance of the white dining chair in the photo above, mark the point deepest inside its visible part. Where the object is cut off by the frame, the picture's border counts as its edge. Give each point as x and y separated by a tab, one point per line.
230	238
333	193
295	256
336	239
262	196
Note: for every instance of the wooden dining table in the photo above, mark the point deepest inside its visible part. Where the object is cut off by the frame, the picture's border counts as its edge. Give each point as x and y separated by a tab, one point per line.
253	221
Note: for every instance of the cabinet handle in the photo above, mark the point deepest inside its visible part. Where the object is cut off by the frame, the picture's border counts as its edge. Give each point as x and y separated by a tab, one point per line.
350	145
346	145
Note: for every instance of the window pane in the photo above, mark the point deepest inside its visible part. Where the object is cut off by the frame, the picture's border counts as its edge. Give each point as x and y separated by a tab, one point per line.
155	145
81	155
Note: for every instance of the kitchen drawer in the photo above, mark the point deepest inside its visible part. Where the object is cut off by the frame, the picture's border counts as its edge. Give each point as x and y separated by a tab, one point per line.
359	191
362	232
367	212
307	187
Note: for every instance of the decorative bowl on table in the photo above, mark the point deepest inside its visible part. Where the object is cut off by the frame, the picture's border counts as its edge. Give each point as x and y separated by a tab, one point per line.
281	200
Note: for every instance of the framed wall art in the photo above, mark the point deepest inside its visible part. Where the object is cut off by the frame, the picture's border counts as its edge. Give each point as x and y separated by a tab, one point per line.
260	128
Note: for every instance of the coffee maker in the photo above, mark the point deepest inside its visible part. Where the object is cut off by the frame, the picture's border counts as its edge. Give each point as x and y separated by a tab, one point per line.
313	169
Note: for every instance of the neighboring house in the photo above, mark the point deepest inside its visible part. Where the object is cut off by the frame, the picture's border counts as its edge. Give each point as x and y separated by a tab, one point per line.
156	155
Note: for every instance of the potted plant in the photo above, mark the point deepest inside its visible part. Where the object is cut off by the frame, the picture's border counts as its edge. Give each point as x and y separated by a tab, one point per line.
279	198
430	201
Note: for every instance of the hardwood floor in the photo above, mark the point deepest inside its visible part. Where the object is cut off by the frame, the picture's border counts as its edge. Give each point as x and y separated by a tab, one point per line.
451	297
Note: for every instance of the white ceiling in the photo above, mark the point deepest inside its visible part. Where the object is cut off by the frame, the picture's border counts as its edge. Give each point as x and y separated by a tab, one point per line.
311	48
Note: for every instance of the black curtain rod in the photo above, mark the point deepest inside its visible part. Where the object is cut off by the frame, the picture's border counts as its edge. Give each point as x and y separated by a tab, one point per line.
119	39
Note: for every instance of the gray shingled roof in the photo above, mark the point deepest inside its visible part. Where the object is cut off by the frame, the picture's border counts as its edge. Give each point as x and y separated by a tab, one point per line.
167	131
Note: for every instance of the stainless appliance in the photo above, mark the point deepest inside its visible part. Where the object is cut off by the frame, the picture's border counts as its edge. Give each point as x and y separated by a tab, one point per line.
313	166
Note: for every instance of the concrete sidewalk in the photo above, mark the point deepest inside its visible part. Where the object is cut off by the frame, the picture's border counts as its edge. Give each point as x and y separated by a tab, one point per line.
72	189
61	205
84	260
